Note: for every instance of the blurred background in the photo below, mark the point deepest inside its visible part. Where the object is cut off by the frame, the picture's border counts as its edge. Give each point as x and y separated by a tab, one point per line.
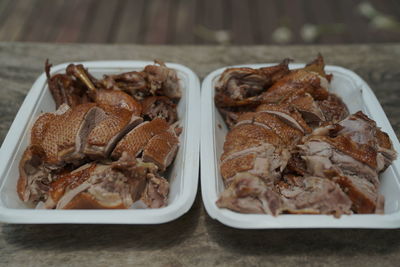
201	21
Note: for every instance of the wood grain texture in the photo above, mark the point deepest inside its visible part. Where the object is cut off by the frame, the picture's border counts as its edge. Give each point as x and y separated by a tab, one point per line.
195	239
191	21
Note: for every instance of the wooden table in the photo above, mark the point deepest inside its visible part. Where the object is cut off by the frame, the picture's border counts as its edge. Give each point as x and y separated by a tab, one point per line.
195	238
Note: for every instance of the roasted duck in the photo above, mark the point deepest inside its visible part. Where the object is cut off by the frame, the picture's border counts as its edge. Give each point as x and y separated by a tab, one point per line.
293	147
107	145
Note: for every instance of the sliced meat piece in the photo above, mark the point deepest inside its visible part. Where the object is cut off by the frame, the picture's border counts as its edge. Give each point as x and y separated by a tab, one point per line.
311	82
118	99
106	134
364	195
134	142
68	182
289	135
65	136
314	195
98	186
333	108
161	149
287	113
265	161
159	107
247	193
41	125
321	154
306	105
239	86
155	194
247	136
34	179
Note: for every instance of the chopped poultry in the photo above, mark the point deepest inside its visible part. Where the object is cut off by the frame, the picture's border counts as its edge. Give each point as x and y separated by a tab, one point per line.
96	151
293	147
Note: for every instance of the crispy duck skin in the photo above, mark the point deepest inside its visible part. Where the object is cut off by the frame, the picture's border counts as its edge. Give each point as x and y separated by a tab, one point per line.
161	149
106	134
135	141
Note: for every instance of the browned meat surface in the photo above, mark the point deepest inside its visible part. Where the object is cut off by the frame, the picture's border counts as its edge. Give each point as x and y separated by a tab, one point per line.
161	149
287	113
241	86
106	134
311	82
135	141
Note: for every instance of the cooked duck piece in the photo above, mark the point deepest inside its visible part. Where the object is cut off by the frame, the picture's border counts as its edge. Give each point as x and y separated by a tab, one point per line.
306	105
313	195
134	83
65	137
240	86
97	186
155	194
363	131
247	193
364	195
287	113
357	174
247	136
163	80
105	135
322	153
311	82
333	108
266	161
159	107
318	66
65	89
161	149
135	141
289	135
34	179
115	98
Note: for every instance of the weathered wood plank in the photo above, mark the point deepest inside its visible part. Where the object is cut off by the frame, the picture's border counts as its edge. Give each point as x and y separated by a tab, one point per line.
157	21
74	21
12	26
131	19
241	23
185	22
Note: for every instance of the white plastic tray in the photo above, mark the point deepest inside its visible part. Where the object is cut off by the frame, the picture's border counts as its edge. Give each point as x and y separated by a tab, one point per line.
358	96
183	175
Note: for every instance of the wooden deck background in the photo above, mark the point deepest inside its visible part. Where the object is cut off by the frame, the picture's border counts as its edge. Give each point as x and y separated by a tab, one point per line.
191	21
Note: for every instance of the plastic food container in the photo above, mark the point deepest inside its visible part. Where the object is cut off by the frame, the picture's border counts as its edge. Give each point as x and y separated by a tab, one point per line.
183	174
358	96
